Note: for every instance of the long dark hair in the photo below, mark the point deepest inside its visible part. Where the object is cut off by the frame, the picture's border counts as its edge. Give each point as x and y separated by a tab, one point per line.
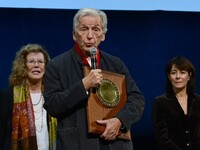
181	63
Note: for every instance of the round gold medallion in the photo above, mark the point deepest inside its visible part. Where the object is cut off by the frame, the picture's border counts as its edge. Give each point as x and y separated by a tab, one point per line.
108	93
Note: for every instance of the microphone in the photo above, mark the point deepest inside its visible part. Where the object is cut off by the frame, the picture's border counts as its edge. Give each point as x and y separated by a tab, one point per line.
93	52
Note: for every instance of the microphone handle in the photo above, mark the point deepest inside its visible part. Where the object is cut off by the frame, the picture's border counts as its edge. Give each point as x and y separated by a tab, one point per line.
93	62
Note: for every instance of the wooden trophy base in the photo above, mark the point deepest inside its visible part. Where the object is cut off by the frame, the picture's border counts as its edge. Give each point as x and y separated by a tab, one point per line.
96	110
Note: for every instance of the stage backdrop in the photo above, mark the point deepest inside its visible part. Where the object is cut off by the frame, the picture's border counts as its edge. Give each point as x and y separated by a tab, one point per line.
144	40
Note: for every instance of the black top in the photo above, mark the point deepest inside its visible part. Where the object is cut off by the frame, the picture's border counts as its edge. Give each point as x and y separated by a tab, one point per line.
173	129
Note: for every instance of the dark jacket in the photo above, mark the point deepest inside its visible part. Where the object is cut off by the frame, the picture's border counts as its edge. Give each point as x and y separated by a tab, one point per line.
173	129
66	100
6	104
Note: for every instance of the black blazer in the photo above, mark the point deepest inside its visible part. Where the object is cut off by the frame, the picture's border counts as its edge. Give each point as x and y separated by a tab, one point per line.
173	129
6	104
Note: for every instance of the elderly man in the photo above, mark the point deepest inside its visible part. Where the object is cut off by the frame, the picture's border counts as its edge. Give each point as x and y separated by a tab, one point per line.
66	89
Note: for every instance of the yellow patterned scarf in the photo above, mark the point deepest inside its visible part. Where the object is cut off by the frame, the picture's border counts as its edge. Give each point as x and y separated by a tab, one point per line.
23	123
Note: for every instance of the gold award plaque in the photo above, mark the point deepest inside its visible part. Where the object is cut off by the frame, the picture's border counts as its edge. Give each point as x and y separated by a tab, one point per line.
108	93
106	101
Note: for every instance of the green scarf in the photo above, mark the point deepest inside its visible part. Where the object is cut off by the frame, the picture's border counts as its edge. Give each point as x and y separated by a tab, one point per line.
23	122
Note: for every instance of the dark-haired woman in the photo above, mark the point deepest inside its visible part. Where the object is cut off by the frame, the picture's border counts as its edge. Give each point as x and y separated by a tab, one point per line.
176	114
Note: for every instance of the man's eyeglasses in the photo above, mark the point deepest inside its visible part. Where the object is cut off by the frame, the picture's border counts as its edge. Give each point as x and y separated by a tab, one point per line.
33	62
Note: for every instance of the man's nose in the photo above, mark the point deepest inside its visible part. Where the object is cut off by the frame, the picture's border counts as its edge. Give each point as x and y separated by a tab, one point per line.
90	34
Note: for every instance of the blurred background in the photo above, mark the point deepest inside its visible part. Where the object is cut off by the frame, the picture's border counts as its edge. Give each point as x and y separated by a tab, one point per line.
144	35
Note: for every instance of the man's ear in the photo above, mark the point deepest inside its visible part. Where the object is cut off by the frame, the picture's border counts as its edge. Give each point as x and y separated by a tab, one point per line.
103	37
74	36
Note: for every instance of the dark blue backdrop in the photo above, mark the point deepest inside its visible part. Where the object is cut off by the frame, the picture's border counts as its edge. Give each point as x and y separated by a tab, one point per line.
144	40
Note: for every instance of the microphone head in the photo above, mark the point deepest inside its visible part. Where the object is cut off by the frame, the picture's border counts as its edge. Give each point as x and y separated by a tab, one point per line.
93	51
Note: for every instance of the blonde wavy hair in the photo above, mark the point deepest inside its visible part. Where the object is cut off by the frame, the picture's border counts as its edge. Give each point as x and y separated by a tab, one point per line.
19	69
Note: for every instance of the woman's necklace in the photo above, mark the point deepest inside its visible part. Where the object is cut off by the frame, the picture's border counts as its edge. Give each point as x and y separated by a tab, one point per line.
180	101
38	101
183	103
39	114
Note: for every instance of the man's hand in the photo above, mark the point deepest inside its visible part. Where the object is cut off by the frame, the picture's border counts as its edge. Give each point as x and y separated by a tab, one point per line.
93	79
113	126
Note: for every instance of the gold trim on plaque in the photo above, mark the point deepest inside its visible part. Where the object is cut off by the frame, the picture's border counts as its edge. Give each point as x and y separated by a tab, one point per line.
108	93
